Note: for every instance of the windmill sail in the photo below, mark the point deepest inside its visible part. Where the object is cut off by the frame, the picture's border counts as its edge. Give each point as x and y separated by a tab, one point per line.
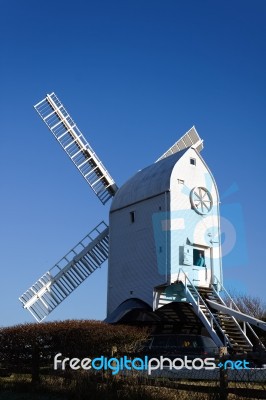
189	139
76	146
66	275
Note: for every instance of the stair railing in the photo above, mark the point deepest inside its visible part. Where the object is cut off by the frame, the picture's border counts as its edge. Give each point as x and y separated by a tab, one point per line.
232	303
212	320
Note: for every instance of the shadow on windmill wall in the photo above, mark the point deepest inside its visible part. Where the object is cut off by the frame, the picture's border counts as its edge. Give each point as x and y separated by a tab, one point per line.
232	238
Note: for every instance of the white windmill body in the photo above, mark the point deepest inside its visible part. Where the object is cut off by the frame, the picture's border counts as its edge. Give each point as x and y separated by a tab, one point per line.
157	232
163	243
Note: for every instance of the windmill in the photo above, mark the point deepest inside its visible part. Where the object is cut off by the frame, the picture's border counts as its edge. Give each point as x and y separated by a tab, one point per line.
163	243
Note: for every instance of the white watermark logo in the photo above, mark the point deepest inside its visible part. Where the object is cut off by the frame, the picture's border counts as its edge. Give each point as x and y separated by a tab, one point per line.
124	363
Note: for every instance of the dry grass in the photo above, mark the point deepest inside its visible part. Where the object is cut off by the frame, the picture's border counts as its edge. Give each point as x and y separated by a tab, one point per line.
81	386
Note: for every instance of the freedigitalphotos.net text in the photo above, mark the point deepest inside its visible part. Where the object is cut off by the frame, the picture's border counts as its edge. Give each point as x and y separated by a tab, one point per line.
124	363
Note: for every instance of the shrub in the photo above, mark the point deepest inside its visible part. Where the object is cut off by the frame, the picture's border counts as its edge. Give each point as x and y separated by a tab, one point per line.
31	346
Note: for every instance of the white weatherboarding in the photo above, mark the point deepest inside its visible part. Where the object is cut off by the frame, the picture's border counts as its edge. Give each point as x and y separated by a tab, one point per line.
162	243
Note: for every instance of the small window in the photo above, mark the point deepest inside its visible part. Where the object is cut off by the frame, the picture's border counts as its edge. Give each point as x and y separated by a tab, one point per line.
180	181
132	216
198	258
193	161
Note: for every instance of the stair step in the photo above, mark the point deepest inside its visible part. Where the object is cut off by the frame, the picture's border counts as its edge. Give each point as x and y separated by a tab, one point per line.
226	322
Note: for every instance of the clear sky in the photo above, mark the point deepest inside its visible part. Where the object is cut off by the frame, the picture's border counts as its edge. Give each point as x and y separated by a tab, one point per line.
134	75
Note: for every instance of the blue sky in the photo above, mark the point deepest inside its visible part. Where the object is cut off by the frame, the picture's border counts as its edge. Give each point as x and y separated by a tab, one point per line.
134	75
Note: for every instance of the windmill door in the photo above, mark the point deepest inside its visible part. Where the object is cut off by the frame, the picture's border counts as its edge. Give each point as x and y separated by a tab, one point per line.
200	265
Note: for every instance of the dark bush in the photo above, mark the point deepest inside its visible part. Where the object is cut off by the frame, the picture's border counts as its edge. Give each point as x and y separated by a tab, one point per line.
30	347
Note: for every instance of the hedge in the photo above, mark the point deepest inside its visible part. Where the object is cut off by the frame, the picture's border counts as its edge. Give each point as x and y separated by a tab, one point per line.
31	346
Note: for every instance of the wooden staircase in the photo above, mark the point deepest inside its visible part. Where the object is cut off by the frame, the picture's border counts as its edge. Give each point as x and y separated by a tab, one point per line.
237	338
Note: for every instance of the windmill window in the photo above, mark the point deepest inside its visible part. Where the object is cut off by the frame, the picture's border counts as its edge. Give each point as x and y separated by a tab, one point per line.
193	161
132	216
198	258
180	181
